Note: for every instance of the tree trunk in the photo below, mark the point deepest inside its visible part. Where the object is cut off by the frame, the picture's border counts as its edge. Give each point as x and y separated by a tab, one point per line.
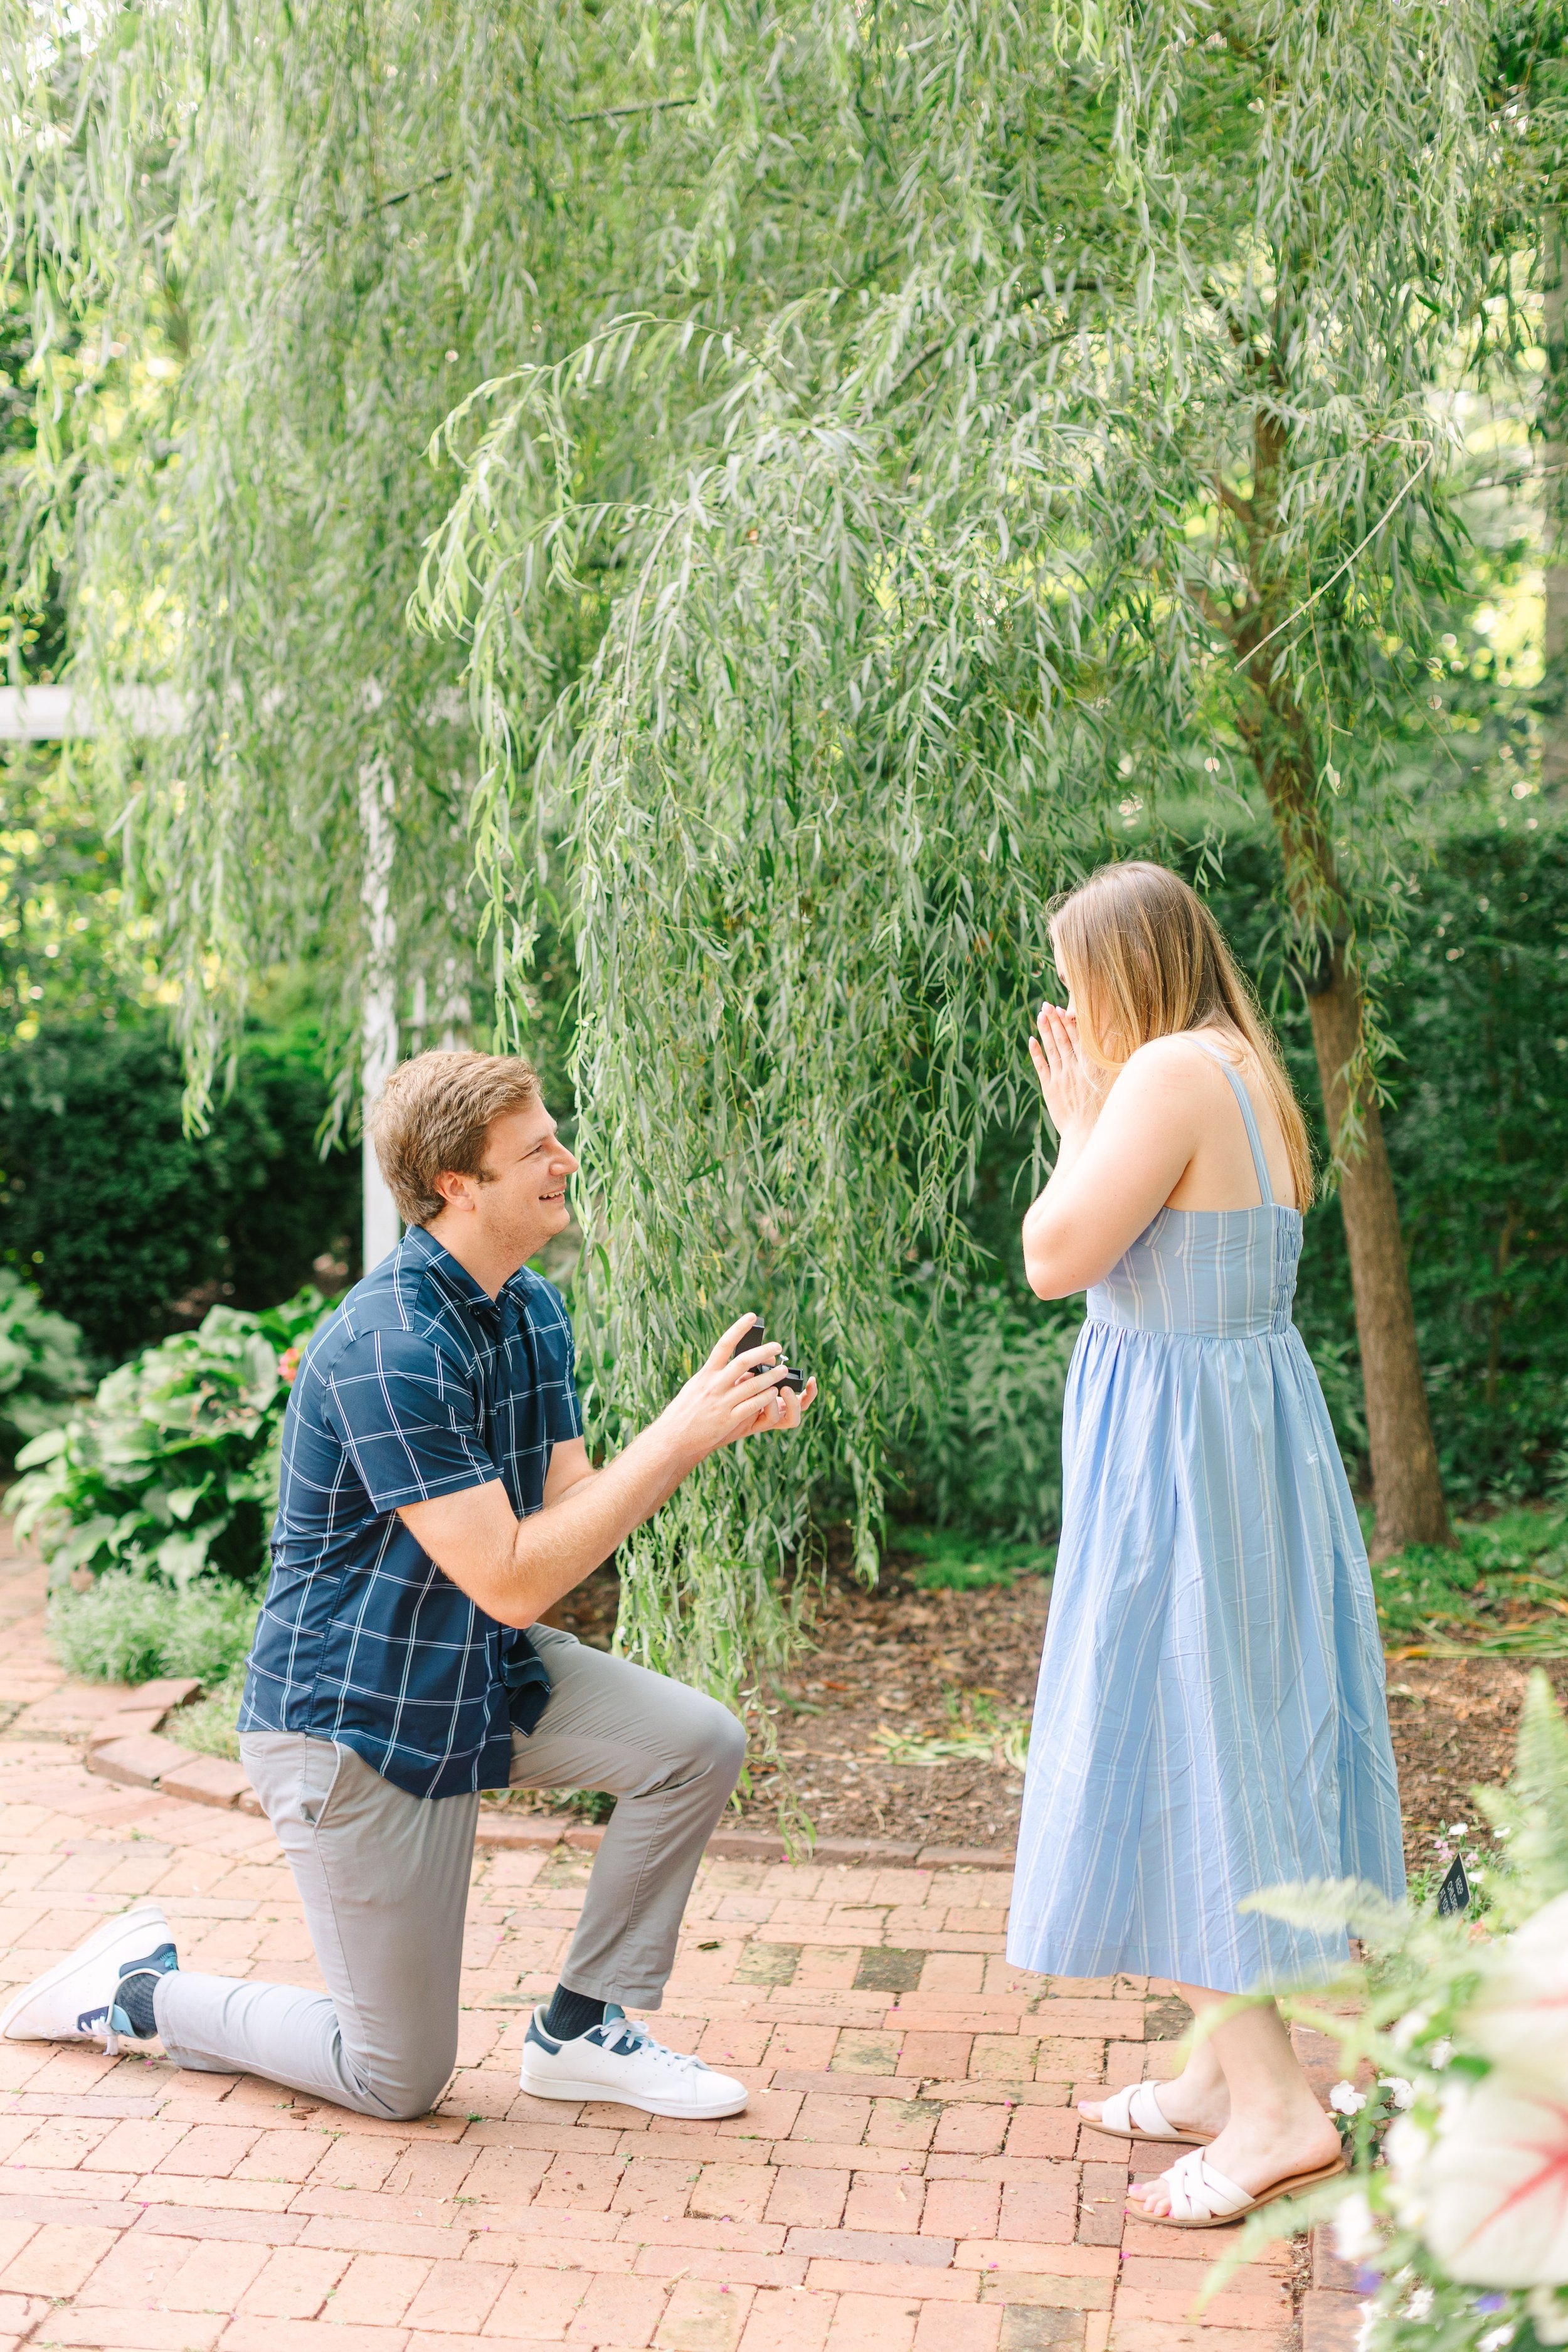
1407	1490
1407	1486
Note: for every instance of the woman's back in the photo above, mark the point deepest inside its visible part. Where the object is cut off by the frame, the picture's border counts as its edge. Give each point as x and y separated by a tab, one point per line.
1211	1264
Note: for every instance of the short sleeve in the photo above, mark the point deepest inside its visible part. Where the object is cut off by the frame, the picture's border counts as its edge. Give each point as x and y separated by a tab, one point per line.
565	1411
408	1417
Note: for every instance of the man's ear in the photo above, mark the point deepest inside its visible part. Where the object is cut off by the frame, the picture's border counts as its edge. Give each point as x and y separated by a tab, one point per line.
455	1190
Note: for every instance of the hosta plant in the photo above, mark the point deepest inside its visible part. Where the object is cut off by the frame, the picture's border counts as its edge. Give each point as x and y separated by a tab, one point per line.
1455	2106
42	1367
170	1471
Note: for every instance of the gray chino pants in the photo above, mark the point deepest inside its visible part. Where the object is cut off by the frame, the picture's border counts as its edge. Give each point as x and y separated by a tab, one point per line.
384	1877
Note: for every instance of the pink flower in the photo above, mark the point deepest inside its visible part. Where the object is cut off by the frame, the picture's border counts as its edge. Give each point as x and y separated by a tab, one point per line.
289	1364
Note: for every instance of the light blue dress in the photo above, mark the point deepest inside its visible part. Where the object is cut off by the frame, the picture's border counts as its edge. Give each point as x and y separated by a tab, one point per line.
1211	1718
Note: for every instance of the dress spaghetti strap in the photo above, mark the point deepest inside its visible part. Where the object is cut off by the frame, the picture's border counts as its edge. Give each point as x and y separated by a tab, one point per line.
1239	1088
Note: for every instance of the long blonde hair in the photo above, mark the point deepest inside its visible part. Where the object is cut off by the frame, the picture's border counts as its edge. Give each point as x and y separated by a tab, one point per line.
1144	958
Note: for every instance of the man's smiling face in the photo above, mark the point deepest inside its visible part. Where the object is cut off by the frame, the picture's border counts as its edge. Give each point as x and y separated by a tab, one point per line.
520	1197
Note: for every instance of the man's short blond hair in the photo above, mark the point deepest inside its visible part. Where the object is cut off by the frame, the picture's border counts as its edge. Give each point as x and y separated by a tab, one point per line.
434	1118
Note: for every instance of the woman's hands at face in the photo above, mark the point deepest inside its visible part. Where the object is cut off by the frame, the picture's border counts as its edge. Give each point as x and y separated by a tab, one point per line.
1072	1097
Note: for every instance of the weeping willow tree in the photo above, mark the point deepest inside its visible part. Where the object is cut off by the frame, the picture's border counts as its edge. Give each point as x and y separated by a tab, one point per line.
832	452
1134	446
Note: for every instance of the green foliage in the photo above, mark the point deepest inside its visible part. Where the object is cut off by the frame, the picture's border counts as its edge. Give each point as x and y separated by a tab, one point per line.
42	1369
1511	1567
879	442
984	1449
72	948
1477	1138
170	1473
209	1725
132	1226
128	1626
949	1561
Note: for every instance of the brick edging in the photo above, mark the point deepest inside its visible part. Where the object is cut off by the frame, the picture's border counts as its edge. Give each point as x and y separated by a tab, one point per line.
131	1750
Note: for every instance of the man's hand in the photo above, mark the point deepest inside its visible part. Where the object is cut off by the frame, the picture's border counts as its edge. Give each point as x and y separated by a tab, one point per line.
733	1396
515	1567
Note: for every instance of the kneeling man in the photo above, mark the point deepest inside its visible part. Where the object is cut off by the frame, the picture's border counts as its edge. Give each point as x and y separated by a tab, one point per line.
436	1497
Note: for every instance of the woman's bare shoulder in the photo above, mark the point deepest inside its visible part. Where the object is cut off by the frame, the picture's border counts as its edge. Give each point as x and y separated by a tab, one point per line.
1175	1060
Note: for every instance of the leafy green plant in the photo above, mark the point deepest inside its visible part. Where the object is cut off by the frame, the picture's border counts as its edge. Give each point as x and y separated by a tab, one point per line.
209	1725
131	1627
982	1422
42	1368
1457	2150
163	1224
948	1560
1502	1590
170	1472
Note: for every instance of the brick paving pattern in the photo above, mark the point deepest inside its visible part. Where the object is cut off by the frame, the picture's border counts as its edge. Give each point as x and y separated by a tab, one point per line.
908	2177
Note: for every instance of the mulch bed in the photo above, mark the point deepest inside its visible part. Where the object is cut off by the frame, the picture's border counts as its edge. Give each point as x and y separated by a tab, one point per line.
888	1657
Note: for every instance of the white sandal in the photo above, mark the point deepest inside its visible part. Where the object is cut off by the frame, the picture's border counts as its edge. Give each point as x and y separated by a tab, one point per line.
1136	2113
1203	2198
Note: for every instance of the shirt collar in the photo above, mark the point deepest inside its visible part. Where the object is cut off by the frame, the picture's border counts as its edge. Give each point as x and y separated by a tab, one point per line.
421	1249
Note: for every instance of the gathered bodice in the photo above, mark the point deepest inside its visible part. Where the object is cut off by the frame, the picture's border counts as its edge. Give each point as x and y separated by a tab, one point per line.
1220	1274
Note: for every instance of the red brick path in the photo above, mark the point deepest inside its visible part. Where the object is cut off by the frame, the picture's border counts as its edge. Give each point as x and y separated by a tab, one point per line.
910	2176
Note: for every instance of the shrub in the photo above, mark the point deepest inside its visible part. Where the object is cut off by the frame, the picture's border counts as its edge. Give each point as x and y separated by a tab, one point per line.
128	1626
42	1369
133	1227
984	1423
170	1473
1477	1138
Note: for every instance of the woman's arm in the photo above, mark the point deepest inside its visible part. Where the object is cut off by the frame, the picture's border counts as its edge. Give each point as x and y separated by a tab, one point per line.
1123	1154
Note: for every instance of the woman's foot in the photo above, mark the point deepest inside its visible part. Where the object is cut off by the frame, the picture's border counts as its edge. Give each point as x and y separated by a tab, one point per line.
1193	2100
1255	2150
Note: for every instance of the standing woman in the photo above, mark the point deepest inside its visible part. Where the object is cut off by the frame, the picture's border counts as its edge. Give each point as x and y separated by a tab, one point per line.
1211	1719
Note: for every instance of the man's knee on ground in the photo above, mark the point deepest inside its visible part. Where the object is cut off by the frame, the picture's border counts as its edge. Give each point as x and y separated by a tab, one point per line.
411	2089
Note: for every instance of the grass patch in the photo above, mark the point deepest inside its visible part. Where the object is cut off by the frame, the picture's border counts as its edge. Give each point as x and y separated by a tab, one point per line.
129	1627
208	1724
1501	1592
947	1560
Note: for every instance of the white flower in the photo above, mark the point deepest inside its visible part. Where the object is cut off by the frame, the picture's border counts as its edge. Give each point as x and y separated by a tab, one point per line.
1440	2053
1414	2022
1494	2339
1457	1828
1520	2017
1407	2147
1488	2189
1401	2094
1420	2303
1368	2325
1355	2228
1548	2314
1346	2100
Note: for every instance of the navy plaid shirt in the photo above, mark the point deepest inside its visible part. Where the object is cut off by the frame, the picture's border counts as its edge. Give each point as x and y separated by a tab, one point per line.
420	1385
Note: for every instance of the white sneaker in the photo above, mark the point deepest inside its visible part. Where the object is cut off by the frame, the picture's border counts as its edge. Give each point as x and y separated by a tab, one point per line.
77	2000
620	2060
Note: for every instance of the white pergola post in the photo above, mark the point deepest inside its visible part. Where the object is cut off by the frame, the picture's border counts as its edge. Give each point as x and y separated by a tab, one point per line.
378	1016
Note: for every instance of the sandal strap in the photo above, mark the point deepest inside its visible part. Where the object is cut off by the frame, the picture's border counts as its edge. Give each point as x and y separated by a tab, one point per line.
1136	2109
1148	2114
1200	2193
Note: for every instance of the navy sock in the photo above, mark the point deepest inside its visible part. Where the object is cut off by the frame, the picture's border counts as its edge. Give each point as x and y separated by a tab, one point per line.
138	1983
572	2013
